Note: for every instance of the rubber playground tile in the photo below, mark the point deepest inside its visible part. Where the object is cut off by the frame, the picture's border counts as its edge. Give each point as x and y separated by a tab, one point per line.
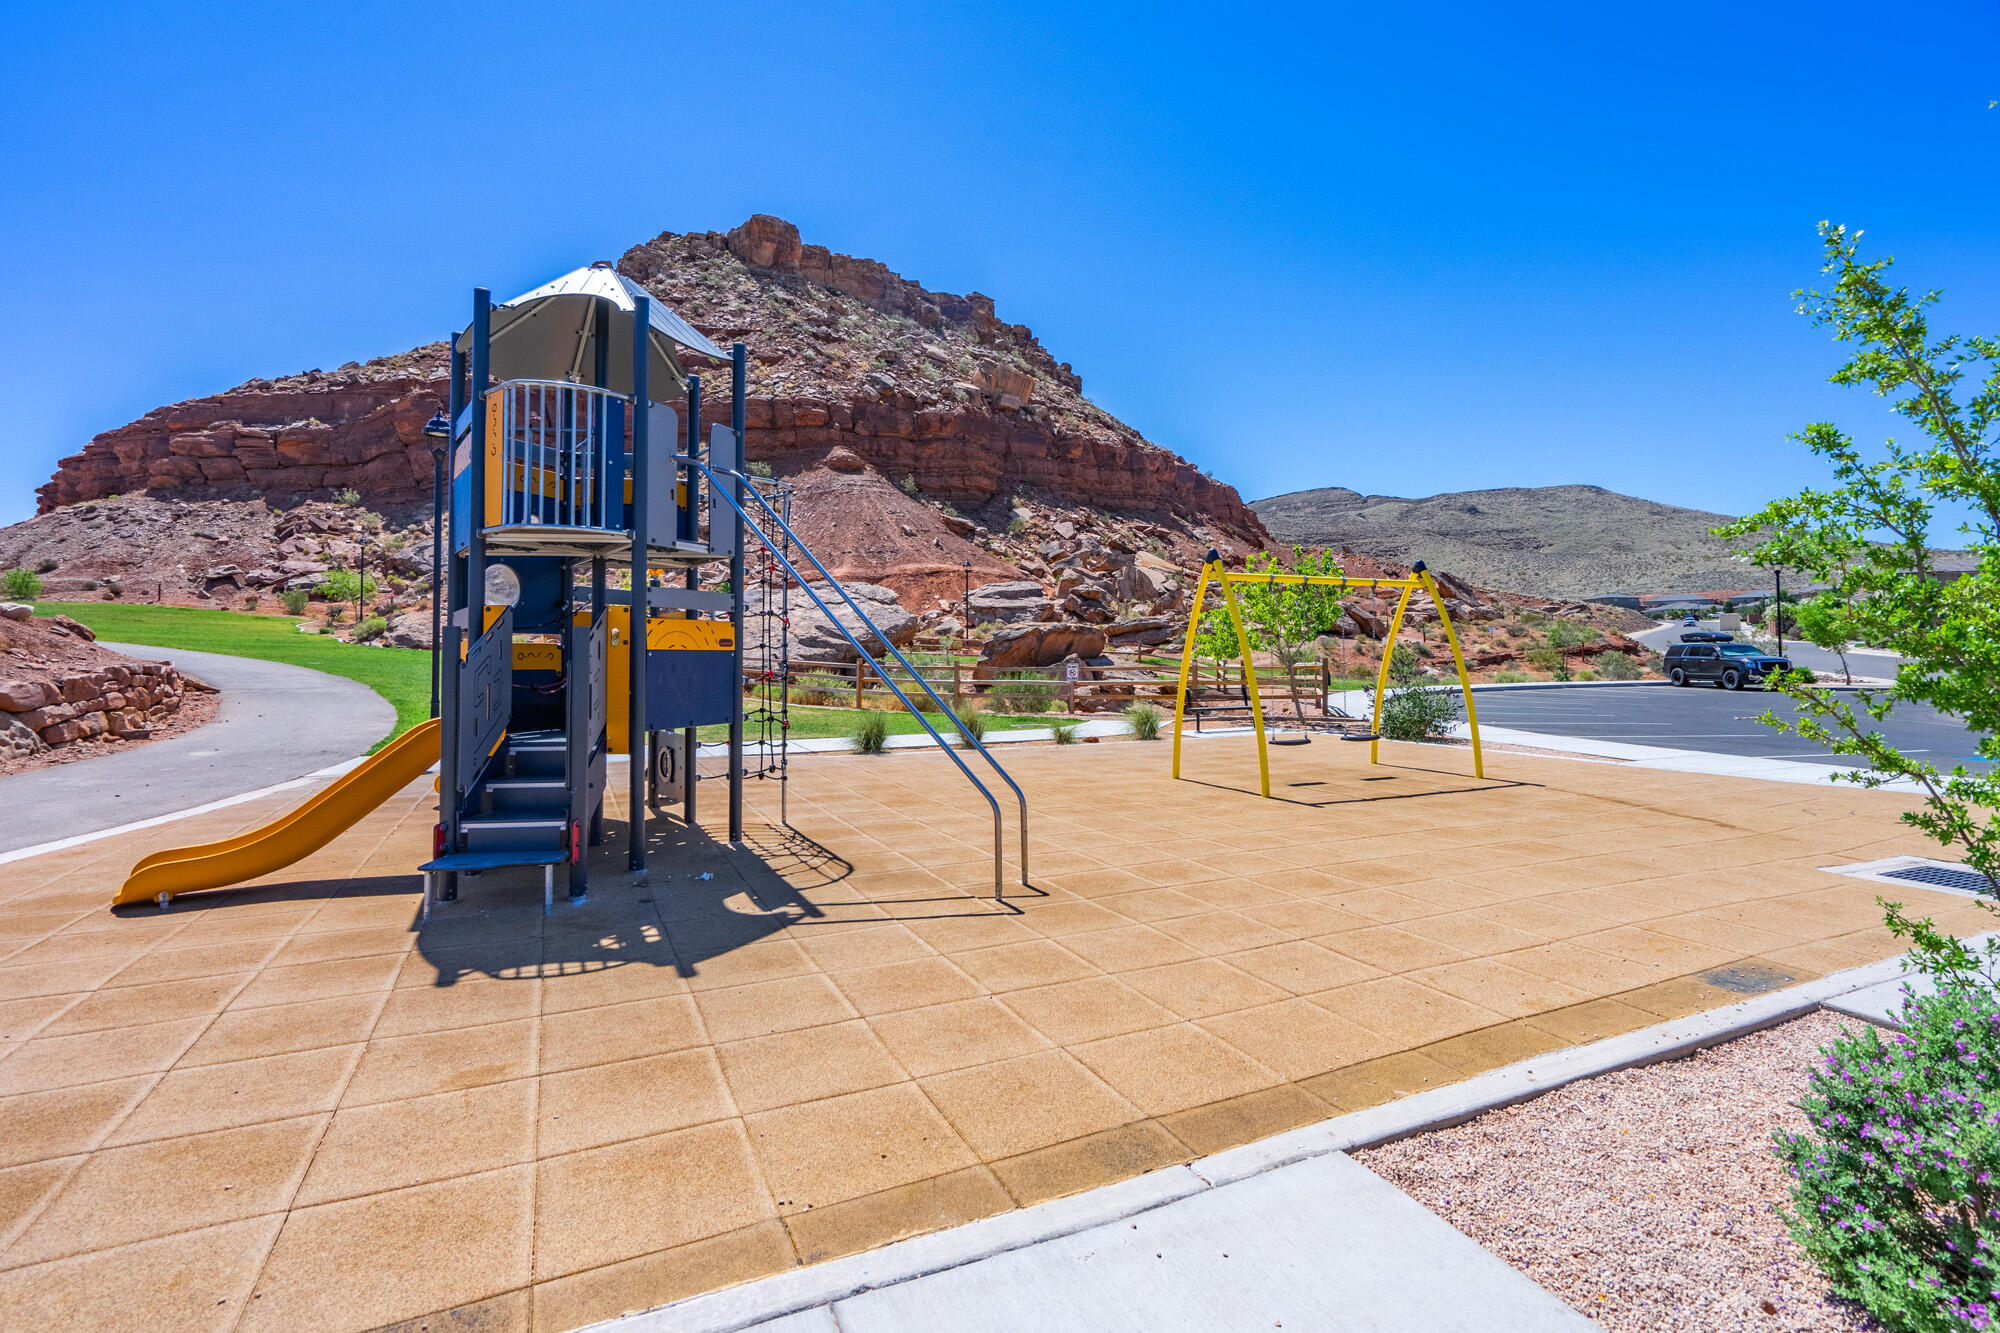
1372	1082
47	1063
1008	967
1593	1020
1235	1121
1172	1069
771	1006
195	1281
1391	948
1202	987
565	1303
319	981
1086	1009
397	1067
960	927
171	962
1490	983
392	1145
865	946
896	1214
68	1120
397	1254
1030	1102
1297	1038
414	1009
20	983
1214	933
821	1153
1579	964
127	1194
1301	966
944	1037
1409	1014
1490	1048
632	1099
81	948
246	1034
200	1098
913	985
581	1037
768	1072
1477	931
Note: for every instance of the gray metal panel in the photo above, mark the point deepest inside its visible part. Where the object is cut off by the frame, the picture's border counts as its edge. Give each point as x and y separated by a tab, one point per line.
486	696
725	455
665	599
663	436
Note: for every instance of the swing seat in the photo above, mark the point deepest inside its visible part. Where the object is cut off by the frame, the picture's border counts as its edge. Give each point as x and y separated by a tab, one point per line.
1289	738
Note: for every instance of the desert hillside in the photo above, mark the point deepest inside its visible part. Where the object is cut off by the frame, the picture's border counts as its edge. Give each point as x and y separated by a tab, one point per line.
1557	541
923	424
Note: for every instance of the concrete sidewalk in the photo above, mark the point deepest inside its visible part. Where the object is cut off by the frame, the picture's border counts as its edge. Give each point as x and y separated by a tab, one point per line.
1321	1244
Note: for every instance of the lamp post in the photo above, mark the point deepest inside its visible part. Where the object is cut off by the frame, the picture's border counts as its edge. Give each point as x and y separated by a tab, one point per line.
966	630
1778	609
437	430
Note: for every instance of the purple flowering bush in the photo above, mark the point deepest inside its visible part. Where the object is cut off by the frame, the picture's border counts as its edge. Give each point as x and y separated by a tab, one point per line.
1894	1195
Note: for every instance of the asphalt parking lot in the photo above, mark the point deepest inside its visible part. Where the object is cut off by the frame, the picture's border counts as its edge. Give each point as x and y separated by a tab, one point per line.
1701	717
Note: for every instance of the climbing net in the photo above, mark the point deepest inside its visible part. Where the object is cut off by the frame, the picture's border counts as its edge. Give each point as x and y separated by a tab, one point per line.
767	716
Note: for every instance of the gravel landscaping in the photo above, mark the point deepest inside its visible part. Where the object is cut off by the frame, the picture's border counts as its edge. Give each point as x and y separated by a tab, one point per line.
1646	1199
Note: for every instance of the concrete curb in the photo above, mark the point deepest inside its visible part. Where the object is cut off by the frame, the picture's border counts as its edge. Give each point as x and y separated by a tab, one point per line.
805	1289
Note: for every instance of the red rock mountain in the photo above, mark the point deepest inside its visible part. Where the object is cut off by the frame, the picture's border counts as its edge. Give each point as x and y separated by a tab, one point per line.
861	381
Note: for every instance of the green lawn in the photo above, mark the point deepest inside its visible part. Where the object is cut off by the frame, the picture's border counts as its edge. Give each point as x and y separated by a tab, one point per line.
811	723
400	675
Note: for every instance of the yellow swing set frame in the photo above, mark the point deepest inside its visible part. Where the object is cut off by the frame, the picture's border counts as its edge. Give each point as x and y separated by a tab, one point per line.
1420	578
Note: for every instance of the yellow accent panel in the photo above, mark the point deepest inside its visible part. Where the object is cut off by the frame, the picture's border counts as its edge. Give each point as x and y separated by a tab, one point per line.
537	656
293	835
494	402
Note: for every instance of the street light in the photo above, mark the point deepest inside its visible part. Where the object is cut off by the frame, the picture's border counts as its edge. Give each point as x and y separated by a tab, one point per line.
438	431
965	631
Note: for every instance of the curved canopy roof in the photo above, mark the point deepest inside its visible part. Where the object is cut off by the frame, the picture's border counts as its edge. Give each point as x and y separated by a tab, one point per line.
550	332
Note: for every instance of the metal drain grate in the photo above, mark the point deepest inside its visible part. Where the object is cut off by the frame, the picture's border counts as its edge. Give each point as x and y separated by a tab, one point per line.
1944	877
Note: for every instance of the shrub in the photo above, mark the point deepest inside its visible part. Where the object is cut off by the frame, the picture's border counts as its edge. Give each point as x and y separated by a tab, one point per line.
1145	721
1512	678
760	469
909	484
344	585
1895	1196
1404	663
1547	659
1026	692
21	585
1065	732
821	690
1614	665
348	496
370	628
251	600
294	600
871	733
1418	713
1016	526
1517	631
974	723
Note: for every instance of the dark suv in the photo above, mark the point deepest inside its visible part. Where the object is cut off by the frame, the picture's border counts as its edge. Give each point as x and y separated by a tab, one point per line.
1730	665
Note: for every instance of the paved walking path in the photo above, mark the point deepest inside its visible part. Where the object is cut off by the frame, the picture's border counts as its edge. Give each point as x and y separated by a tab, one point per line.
276	723
1321	1244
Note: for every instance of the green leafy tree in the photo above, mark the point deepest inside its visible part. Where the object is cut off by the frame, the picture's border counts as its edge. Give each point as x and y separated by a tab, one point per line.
1821	623
1564	635
1287	620
1868	539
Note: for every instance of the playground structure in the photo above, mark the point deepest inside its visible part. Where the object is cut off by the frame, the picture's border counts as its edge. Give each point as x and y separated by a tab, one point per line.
569	463
1212	571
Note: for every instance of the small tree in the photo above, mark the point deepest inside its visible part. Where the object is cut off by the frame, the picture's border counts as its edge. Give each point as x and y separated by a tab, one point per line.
21	584
1868	539
1820	623
1287	620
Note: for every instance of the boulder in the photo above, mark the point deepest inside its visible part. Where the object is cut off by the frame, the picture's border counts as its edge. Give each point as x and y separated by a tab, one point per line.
1038	645
76	627
1143	632
409	631
19	696
1007	603
814	637
18	739
16	611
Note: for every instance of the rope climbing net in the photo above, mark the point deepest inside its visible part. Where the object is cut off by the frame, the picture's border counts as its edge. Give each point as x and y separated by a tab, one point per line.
767	716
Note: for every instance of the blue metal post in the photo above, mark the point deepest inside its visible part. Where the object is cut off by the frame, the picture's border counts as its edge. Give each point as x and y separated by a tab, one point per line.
738	374
635	724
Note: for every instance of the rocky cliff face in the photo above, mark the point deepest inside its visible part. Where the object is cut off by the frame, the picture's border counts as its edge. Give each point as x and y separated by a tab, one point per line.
854	367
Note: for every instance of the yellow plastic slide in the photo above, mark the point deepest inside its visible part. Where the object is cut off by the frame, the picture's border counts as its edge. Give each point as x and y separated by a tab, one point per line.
299	833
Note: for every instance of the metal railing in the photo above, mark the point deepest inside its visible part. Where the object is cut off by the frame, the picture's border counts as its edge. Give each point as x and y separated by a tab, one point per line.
555	455
722	492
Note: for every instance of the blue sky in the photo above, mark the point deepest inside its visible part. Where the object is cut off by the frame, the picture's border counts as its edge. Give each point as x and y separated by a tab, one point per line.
1452	247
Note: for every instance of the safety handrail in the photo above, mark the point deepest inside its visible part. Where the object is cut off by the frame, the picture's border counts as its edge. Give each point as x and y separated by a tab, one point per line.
895	652
999	826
